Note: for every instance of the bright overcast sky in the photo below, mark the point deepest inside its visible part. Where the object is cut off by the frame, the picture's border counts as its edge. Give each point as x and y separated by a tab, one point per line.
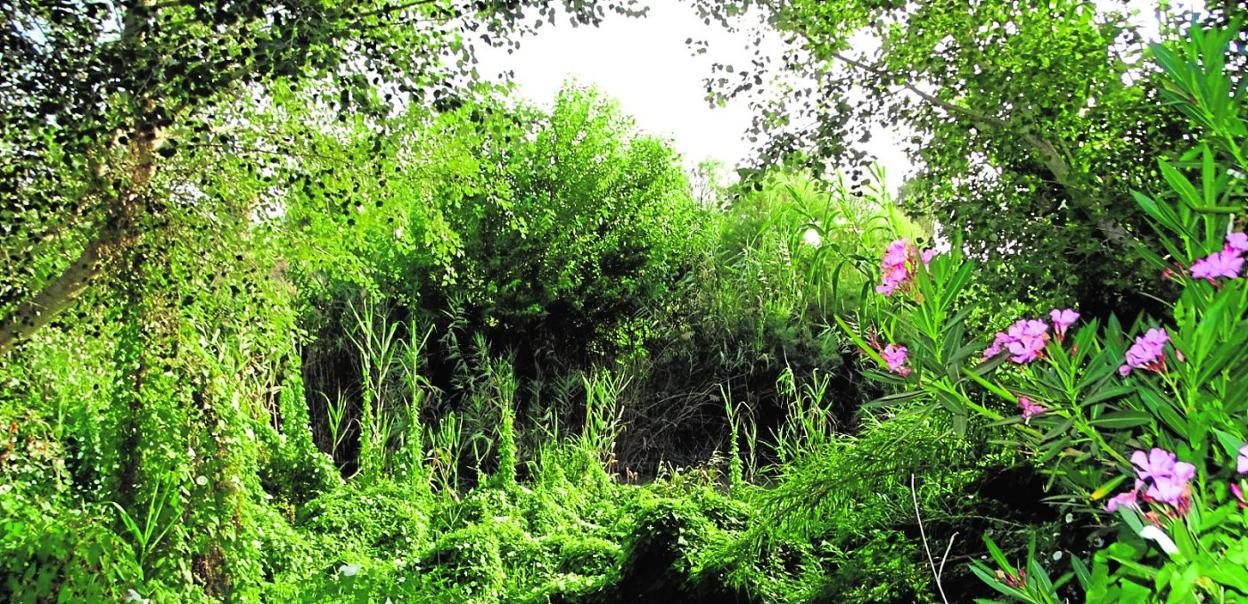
646	66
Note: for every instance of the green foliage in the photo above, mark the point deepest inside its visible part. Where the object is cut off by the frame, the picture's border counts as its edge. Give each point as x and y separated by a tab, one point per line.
1031	124
886	566
561	226
50	552
366	518
398	337
295	470
1099	400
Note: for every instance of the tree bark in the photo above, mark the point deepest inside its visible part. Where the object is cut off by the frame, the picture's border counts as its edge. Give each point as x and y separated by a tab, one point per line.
59	294
55	297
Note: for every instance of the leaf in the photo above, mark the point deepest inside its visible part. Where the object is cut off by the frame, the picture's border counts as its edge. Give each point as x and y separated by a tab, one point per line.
995	389
991	580
997	555
1187	192
1119	420
1107	394
893	399
1108	487
1230	443
1081	573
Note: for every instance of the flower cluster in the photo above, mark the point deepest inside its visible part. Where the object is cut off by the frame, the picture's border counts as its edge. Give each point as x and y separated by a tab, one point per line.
1026	338
898	265
1062	319
1159	477
1228	262
895	356
1148	352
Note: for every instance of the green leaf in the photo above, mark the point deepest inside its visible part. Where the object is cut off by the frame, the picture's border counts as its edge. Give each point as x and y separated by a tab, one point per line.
1230	443
998	556
1119	420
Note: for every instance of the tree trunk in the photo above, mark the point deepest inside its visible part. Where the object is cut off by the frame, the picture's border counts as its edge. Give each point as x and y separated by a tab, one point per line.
53	298
59	294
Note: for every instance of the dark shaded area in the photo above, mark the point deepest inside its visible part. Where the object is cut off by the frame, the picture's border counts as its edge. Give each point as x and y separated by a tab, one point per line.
655	568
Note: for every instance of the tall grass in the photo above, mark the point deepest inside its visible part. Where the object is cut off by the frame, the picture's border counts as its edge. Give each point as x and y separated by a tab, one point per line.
374	337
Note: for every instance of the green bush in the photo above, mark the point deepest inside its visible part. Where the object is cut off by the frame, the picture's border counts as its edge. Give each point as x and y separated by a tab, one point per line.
368	518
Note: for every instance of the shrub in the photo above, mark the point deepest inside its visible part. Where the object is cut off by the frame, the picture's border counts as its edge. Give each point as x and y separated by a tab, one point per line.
1153	413
366	518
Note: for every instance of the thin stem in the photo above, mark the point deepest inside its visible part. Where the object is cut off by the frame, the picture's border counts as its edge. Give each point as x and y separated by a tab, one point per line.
923	534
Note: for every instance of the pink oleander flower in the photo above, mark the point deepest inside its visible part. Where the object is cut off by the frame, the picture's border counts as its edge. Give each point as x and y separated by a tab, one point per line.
1029	408
1166	478
1237	242
1226	263
1127	499
898	264
1025	340
1239	495
1062	320
1028	338
894	278
998	344
897	253
1241	461
895	357
1147	352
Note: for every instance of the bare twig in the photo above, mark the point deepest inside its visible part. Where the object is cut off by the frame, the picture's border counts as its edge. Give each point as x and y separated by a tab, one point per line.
923	534
941	571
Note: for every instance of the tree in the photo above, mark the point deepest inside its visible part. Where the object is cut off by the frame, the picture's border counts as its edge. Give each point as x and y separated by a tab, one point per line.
560	226
95	95
1032	123
121	165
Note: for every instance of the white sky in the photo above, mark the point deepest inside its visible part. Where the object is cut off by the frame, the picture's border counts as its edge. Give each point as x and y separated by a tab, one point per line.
646	66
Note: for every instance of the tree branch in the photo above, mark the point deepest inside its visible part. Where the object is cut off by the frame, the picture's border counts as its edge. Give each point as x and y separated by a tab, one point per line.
1048	153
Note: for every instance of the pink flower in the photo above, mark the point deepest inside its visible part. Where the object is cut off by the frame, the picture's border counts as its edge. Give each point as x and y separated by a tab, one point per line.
894	278
1237	242
1226	263
895	357
1127	499
1148	352
1166	477
893	267
897	252
1028	338
1239	495
998	344
898	264
1062	320
1241	461
1025	340
1030	408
